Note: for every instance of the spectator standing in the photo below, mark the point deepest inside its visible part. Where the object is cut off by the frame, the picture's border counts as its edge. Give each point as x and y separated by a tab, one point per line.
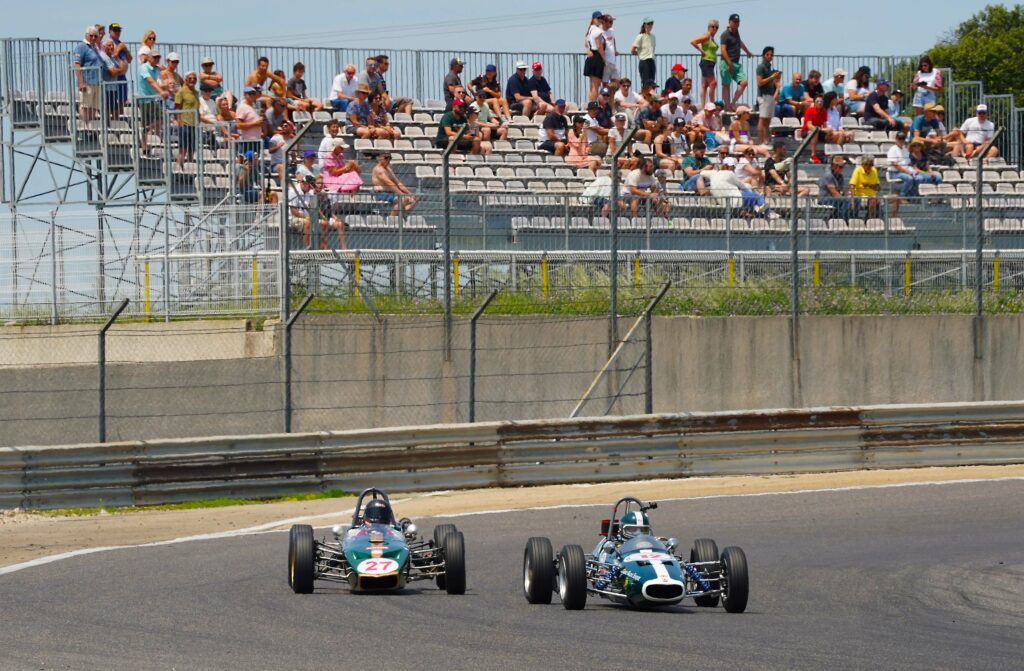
593	45
643	48
170	78
540	90
186	102
297	91
122	55
249	122
88	67
611	74
210	78
487	85
517	92
927	84
832	190
793	98
876	109
113	69
857	90
708	50
150	95
864	184
554	131
453	79
146	46
767	93
343	88
387	188
731	69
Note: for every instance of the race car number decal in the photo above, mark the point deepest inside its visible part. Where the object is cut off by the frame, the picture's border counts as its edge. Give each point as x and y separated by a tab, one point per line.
377	566
648	556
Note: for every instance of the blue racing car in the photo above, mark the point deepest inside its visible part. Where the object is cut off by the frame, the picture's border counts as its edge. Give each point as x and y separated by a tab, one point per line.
632	566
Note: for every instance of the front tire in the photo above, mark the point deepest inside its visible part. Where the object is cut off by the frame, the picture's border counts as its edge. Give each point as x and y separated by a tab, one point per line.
735	579
441	531
704	550
572	577
538	570
301	559
455	563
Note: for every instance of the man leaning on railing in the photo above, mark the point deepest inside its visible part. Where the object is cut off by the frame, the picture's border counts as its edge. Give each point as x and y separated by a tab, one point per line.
87	65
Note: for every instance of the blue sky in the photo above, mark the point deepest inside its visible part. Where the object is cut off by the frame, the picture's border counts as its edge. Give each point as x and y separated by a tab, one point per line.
882	27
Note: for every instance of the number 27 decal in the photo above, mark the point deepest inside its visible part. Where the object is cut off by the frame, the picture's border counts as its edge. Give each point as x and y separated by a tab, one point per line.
377	566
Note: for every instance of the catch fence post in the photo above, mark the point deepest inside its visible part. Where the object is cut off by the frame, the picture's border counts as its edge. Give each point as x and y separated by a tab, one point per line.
446	195
649	349
472	353
287	364
101	361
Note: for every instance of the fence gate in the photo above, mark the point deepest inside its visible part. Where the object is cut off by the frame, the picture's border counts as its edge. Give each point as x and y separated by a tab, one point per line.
1001	113
964	97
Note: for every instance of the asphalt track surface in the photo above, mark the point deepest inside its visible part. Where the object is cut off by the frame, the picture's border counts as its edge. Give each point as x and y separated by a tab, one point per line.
904	577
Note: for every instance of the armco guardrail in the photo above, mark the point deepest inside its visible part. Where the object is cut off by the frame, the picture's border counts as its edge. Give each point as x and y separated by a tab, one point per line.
514	454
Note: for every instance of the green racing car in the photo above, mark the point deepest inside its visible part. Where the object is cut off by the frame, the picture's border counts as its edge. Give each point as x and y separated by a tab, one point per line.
631	566
376	553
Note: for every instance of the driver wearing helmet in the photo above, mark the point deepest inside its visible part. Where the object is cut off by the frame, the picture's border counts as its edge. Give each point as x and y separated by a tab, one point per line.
635	523
377	512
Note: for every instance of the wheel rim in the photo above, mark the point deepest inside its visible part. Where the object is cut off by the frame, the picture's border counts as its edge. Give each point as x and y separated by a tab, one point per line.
561	579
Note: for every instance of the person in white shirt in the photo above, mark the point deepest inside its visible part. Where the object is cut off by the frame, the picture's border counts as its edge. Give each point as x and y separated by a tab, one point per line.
611	68
973	134
899	165
593	67
641	186
725	183
331	130
627	100
629	159
672	110
748	170
856	91
343	90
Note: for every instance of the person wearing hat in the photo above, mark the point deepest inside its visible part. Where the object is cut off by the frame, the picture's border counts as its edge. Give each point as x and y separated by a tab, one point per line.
170	77
925	174
598	137
876	109
249	123
900	170
487	85
186	104
209	77
708	49
837	84
610	77
606	108
309	167
974	133
674	83
730	70
149	96
517	92
449	125
122	56
593	46
387	188
207	107
554	130
357	116
833	192
335	166
453	79
540	90
926	127
643	48
301	201
247	173
767	93
707	123
739	136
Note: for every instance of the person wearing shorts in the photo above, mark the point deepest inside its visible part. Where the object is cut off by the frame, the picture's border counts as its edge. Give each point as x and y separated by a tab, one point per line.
730	69
708	49
767	93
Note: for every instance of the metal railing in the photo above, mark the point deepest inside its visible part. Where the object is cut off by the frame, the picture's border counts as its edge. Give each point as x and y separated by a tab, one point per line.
418	458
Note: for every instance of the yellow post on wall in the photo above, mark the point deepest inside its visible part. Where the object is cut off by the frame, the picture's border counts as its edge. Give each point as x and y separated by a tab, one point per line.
817	271
906	276
732	271
455	274
145	290
636	272
357	274
544	274
995	272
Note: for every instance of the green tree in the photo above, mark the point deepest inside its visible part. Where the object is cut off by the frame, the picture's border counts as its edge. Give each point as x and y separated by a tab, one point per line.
988	47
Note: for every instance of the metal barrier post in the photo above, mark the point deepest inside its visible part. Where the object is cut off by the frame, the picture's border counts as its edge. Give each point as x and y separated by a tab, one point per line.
287	354
101	364
284	272
794	261
472	353
979	305
53	268
613	256
446	195
649	349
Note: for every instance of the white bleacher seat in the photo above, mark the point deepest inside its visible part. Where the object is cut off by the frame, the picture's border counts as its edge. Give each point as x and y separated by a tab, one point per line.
951	176
525	173
503	146
837	226
537	186
540	222
363	145
475	185
946	189
524	145
533	158
989	176
423	117
857	225
505	173
585	173
515	185
819	225
495	185
434	104
928	189
1010	176
413	131
383	145
483	173
870	148
519	223
558	187
402	117
463	171
1019	188
545	173
717	224
759	224
403	145
875	224
425	171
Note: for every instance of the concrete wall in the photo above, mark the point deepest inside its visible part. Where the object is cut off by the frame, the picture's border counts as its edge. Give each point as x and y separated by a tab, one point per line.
213	378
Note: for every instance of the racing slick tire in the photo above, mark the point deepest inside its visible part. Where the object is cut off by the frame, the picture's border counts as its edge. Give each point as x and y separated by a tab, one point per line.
301	562
455	563
572	577
704	550
440	531
538	570
735	581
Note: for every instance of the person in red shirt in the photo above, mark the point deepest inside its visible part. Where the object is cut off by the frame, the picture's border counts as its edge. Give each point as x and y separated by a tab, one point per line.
815	116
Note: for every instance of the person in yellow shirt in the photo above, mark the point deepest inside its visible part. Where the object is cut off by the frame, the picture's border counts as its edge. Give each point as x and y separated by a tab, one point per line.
864	186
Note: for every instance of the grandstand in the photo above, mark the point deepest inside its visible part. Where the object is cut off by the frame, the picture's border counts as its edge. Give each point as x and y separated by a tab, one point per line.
517	198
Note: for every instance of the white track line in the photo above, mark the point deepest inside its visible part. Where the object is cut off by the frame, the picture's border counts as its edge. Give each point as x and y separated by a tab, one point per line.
272	527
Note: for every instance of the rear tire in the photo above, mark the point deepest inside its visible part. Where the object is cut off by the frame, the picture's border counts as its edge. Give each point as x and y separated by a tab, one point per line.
301	559
538	570
291	553
736	582
572	577
440	532
455	563
704	550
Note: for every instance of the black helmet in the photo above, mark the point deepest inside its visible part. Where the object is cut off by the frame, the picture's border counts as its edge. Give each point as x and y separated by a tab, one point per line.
377	512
